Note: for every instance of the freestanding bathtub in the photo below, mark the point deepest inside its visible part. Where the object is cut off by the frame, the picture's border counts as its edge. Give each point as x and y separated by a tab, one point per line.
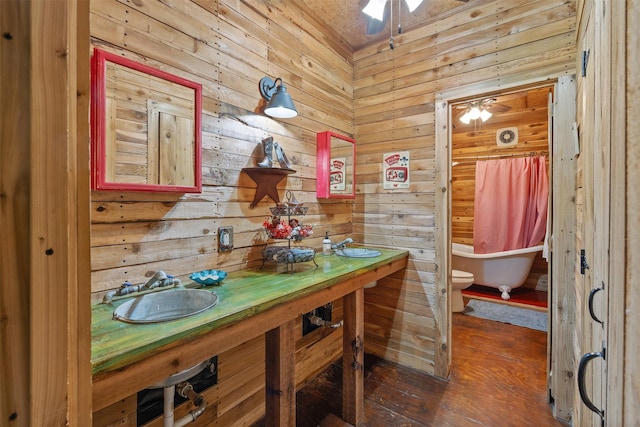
501	270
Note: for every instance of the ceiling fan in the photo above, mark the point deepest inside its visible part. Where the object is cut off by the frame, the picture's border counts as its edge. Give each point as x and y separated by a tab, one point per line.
481	109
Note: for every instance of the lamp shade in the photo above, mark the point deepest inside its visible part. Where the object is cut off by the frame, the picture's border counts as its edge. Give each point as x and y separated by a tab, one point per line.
375	9
466	119
279	105
485	115
413	4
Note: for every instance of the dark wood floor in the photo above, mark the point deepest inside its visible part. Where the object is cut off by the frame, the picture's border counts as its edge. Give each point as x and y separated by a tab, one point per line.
498	379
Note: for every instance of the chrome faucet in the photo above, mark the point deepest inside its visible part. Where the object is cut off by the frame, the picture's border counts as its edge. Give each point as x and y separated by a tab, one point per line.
342	244
159	280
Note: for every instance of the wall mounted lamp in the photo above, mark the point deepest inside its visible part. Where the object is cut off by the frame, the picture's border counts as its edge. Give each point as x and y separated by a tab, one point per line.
279	103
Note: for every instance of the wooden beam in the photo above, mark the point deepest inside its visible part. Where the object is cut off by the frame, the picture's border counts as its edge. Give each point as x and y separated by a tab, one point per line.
280	387
353	358
59	311
14	215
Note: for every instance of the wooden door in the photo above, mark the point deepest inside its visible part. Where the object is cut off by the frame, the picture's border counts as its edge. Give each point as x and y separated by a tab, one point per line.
593	237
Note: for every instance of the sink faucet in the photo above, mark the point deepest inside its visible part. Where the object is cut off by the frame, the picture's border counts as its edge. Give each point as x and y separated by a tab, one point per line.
342	244
159	280
156	280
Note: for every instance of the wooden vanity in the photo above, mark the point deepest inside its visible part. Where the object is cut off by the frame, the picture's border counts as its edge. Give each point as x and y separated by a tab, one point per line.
127	358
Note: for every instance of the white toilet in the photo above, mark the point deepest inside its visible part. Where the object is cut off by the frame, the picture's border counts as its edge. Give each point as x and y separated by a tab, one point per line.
459	280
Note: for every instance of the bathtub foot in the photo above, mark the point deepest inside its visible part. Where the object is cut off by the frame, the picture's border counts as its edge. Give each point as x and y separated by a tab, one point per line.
505	292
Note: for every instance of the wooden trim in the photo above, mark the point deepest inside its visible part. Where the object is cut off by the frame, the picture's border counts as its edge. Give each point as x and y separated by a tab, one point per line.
443	240
563	228
59	229
621	407
631	367
280	365
14	216
353	358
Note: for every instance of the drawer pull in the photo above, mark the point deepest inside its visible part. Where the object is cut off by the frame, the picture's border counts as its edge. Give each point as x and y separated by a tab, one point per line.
581	378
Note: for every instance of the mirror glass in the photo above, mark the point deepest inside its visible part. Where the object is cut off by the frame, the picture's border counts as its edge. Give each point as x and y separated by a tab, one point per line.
335	166
145	127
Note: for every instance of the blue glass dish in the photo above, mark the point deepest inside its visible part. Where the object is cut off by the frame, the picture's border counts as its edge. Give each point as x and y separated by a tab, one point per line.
208	277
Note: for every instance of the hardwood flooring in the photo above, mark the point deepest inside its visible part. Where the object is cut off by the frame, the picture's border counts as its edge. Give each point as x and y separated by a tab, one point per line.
498	379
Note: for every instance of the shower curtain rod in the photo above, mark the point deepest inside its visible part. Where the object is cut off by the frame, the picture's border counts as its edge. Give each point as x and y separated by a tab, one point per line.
473	159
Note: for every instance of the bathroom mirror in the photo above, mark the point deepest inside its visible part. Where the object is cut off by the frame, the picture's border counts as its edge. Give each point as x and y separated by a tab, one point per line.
145	127
335	166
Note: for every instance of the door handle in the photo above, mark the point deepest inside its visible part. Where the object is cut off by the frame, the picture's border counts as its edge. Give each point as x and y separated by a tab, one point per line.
584	361
591	295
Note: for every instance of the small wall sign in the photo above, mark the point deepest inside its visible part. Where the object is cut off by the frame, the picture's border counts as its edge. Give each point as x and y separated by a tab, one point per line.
395	173
337	174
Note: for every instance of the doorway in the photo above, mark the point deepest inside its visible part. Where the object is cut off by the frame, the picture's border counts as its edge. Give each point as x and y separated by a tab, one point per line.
560	132
509	125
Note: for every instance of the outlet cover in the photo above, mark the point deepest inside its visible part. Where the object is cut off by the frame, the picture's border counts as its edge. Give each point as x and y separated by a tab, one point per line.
225	239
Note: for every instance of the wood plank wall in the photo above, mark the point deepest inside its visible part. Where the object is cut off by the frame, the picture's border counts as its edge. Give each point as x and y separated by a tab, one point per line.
44	101
386	99
487	44
227	46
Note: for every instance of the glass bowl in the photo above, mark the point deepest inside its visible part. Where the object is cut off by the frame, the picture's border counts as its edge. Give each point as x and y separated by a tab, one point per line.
208	277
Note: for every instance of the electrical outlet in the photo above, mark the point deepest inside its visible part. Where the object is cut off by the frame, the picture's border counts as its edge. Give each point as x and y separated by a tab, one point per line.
225	239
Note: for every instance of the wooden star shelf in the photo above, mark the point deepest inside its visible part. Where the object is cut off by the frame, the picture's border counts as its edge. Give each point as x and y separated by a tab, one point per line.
267	180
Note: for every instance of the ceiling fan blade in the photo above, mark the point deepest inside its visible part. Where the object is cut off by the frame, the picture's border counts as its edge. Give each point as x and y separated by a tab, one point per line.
498	108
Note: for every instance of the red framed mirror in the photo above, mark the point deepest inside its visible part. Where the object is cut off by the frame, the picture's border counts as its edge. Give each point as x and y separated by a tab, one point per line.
335	166
145	128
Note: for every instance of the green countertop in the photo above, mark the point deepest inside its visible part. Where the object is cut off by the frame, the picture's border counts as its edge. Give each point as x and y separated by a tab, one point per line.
242	294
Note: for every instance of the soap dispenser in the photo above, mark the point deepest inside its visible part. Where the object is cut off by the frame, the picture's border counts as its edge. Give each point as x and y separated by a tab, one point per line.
326	244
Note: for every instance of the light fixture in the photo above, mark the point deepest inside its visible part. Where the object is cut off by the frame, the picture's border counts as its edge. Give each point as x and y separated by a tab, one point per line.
279	103
375	8
475	111
413	4
485	115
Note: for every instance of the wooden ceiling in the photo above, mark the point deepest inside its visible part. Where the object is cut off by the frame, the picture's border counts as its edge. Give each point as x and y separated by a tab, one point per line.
346	19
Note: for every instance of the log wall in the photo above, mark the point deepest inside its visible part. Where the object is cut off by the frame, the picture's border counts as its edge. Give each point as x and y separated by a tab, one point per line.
479	48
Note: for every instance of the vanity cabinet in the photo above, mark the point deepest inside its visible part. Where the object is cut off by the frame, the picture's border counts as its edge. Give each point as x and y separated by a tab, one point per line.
127	358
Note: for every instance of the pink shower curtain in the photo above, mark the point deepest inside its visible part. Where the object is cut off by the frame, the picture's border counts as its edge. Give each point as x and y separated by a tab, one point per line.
511	199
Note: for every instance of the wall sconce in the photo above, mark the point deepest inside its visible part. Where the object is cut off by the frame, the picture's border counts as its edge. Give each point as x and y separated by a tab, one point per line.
279	103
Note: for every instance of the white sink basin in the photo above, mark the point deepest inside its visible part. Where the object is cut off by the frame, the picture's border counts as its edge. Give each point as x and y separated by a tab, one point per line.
357	252
166	305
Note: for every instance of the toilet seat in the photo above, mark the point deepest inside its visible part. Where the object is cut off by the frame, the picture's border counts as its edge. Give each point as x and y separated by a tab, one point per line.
461	275
459	280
